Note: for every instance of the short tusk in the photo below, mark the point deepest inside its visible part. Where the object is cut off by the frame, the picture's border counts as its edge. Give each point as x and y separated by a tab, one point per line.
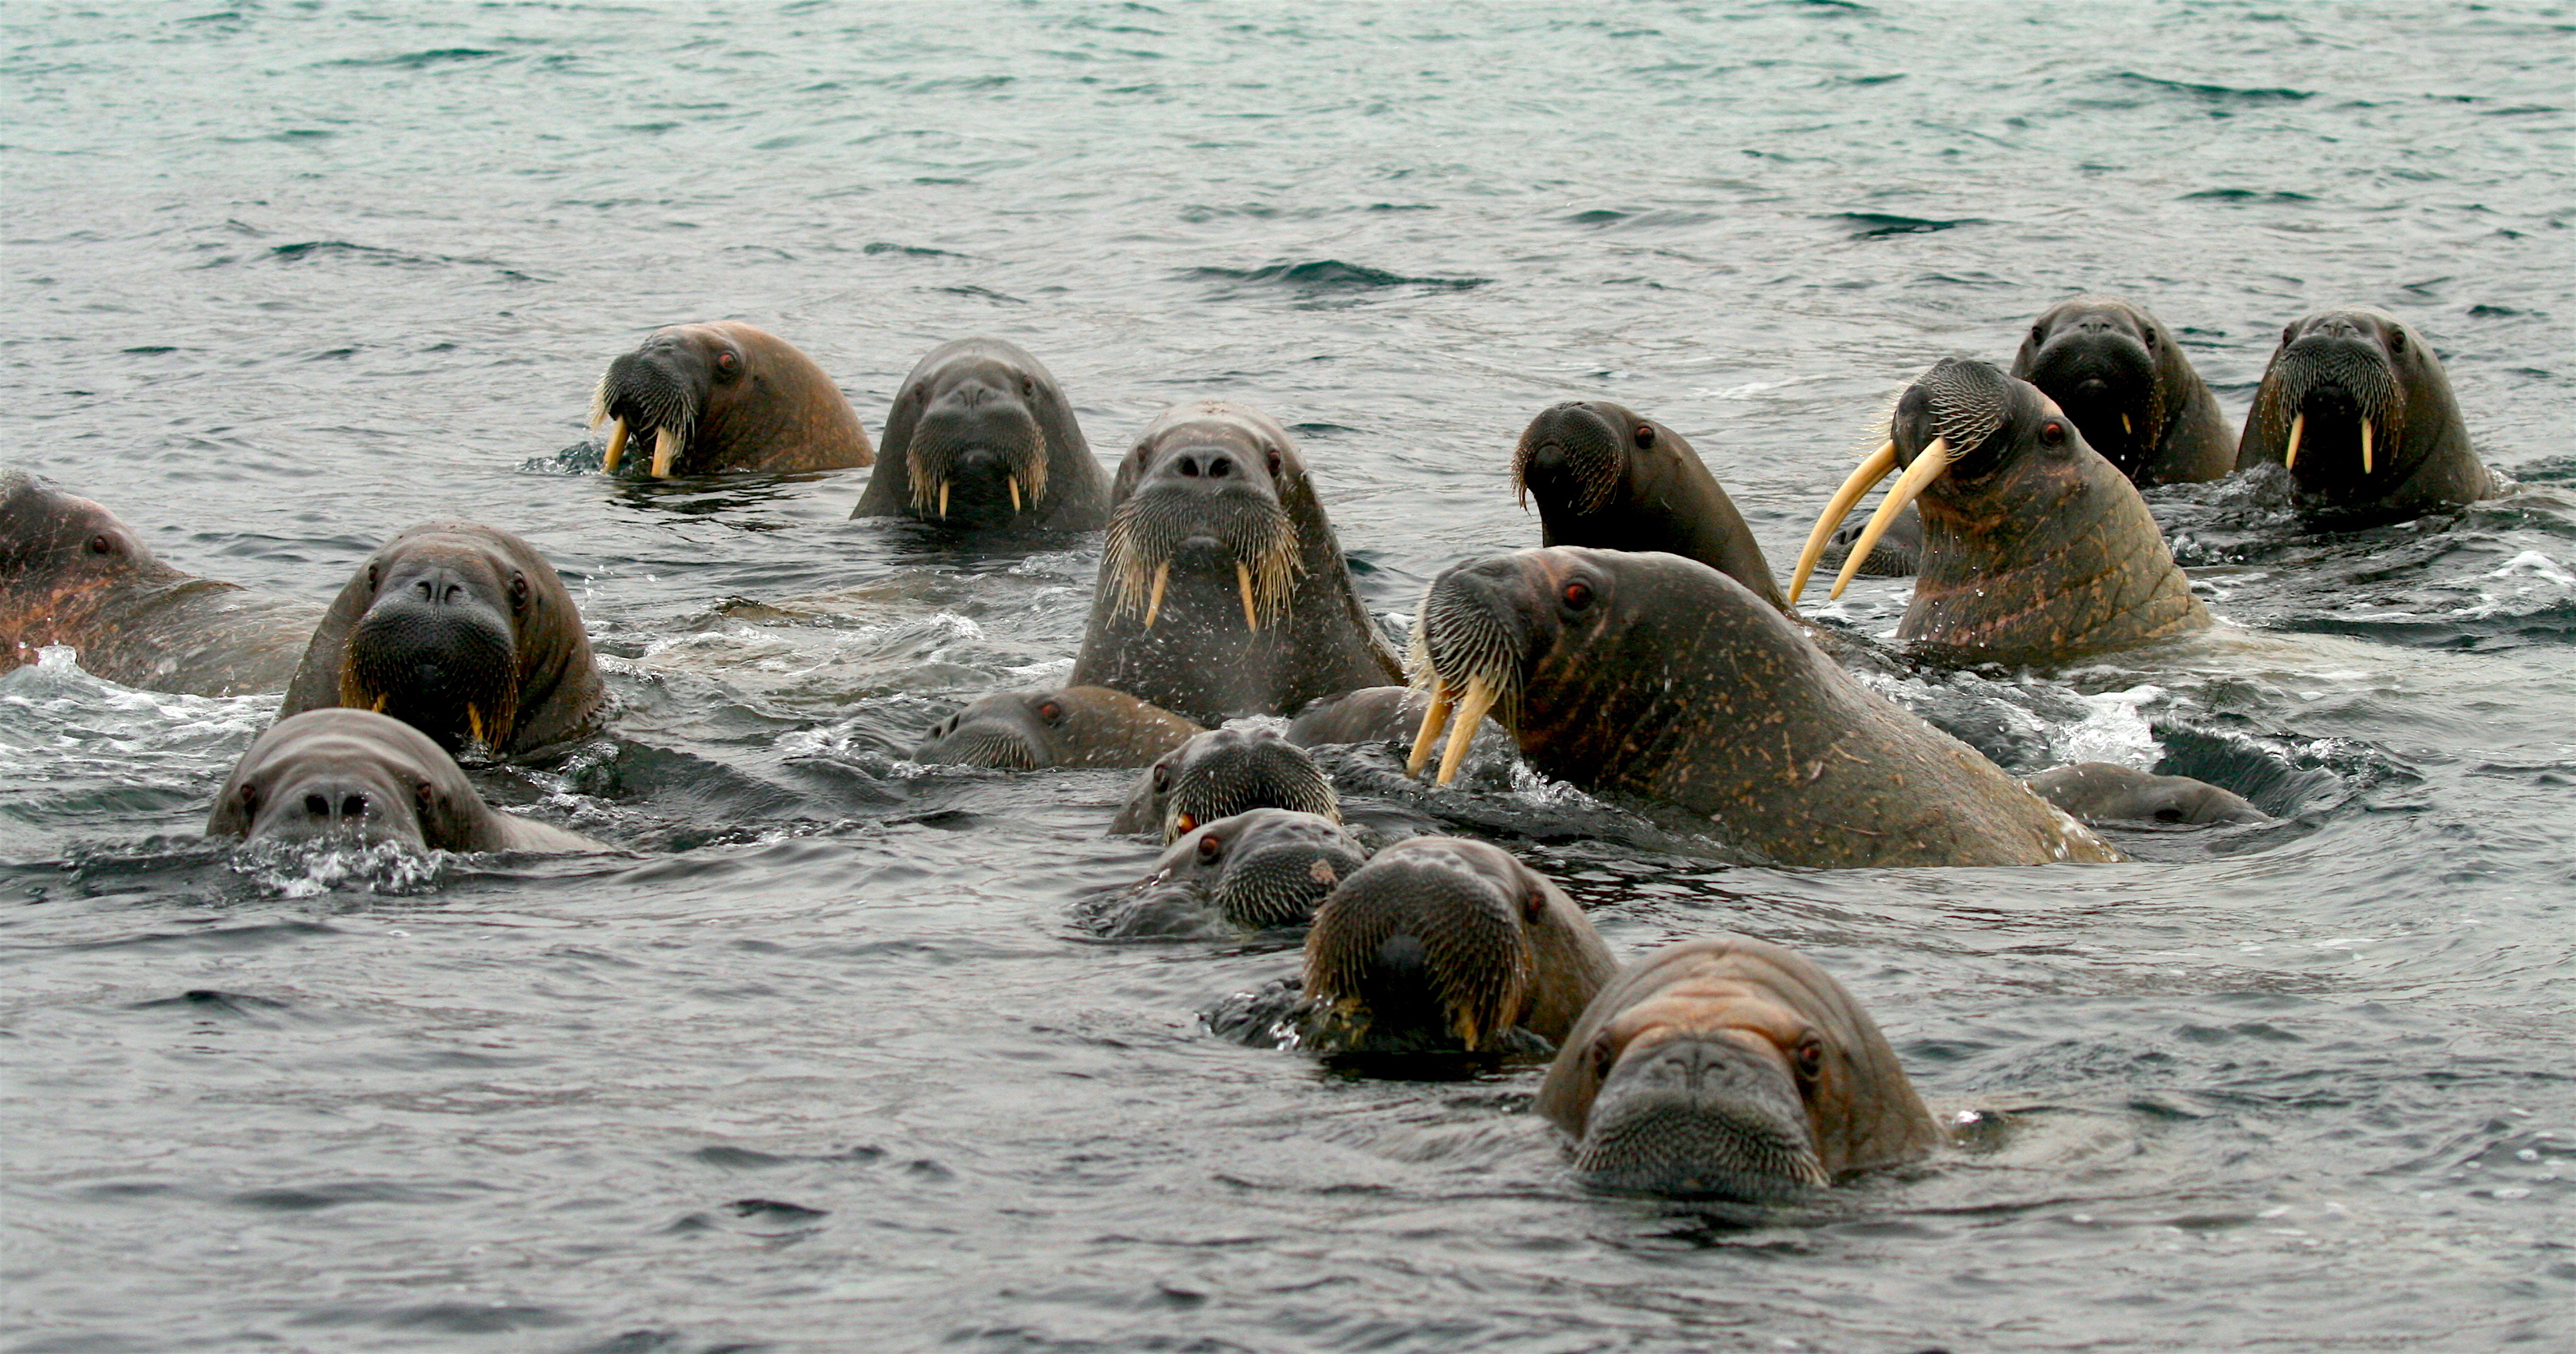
1243	584
1869	472
666	449
1432	719
2125	429
1015	494
616	446
1154	601
1927	467
2298	428
2365	446
1462	730
943	501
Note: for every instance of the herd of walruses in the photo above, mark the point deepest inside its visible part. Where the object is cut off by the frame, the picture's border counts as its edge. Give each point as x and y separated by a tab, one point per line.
1645	651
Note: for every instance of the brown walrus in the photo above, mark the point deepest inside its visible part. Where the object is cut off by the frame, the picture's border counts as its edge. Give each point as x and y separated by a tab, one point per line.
1079	726
464	632
370	778
1730	1066
981	435
72	574
2035	549
1608	478
1222	590
726	396
1441	944
1258	868
2116	371
2356	406
1659	676
1223	772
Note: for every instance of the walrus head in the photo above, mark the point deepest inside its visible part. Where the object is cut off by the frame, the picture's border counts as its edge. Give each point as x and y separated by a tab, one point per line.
660	393
2336	381
1205	490
1078	726
2105	363
1574	455
1484	628
1223	772
1444	944
51	540
977	451
1262	867
350	774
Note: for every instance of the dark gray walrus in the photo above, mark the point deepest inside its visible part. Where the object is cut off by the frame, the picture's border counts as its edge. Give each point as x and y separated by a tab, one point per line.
1079	726
370	778
980	435
1732	1067
2358	409
2116	371
2099	792
1658	676
2035	549
1610	479
1444	945
464	632
72	574
1222	591
726	396
1259	868
1223	772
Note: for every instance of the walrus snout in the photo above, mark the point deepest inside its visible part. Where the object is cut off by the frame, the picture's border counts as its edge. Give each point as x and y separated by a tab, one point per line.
1424	948
336	804
994	731
435	654
1699	1115
2335	385
652	397
977	456
1214	486
1571	456
2102	374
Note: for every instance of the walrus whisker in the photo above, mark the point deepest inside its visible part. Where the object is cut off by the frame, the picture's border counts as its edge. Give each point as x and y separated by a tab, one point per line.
1927	467
2298	429
1154	603
1480	698
1432	720
1868	473
2365	446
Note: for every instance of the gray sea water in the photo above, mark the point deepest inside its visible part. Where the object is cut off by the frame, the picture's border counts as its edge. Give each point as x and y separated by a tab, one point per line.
826	1063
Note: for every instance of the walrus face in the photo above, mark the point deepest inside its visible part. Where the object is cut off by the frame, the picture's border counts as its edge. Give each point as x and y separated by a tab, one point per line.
345	774
1203	491
661	392
437	647
1705	1089
1491	632
1227	771
1263	867
2336	380
1428	947
1012	730
1575	455
54	541
2103	362
978	456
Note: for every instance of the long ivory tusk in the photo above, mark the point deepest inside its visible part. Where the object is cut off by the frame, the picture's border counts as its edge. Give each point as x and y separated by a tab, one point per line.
1015	494
943	507
1154	602
616	446
666	449
1927	467
1462	730
1870	471
1432	719
1243	584
2365	446
2298	428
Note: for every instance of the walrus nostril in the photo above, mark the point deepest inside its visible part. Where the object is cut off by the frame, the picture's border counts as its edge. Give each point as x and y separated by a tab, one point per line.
317	806
353	807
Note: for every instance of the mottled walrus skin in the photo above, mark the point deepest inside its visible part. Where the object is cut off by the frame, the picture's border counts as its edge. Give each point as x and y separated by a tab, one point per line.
368	778
2116	371
1223	772
464	632
1251	870
1222	590
1079	726
981	435
72	574
2035	549
1607	478
1658	676
2357	406
1730	1067
699	398
2099	792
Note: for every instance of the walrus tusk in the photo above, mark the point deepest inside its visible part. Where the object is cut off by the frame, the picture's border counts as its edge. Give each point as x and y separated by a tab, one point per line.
1243	584
2298	426
1015	495
381	702
1871	470
474	721
1927	467
1462	730
616	446
943	508
2125	429
1432	719
666	449
2365	446
1154	601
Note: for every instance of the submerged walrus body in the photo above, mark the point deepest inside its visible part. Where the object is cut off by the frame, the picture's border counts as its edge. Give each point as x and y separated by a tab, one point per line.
1223	772
1079	726
2359	411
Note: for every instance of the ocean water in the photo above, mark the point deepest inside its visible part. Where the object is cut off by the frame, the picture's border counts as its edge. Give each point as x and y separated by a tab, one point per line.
822	1061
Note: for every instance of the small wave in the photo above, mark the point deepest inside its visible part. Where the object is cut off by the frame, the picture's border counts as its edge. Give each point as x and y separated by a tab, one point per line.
2247	196
2216	93
1870	225
412	61
1324	276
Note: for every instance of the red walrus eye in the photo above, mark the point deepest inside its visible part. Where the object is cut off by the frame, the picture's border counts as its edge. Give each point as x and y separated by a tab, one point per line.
1209	846
1645	437
1578	595
2052	434
101	545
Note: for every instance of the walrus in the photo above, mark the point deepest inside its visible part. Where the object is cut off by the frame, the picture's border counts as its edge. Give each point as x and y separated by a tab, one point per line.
1441	944
1079	726
370	778
2356	407
1251	870
71	573
1733	1067
2132	392
981	435
464	632
2035	549
2100	792
1653	675
1608	478
726	396
1222	590
1223	772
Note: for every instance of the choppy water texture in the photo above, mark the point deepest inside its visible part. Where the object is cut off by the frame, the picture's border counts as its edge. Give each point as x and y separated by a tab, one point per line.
829	1065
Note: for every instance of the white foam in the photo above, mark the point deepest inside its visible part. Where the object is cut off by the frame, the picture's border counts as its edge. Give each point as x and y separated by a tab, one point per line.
2115	732
306	869
2535	563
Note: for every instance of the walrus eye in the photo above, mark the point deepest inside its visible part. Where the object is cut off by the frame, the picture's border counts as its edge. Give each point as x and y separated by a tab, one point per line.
727	363
2397	340
1274	463
1578	595
1605	1051
2039	333
1028	387
1645	437
518	592
1809	1059
2289	332
1162	779
375	579
1209	847
1534	906
2149	336
250	799
101	545
1051	712
2052	434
